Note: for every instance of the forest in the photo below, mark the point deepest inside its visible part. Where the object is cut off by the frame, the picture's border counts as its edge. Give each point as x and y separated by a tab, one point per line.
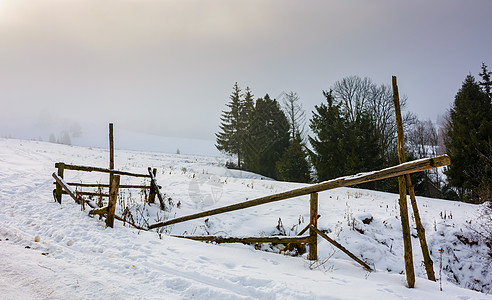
354	130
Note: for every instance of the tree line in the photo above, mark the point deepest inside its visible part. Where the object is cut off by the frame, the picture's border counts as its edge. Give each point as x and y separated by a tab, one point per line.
354	130
265	139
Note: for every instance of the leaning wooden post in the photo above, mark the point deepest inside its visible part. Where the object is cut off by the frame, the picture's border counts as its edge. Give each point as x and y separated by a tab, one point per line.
152	191
407	240
334	243
58	191
313	220
113	196
111	154
429	267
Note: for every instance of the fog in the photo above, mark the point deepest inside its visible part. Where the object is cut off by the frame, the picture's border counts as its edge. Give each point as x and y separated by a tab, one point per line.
166	68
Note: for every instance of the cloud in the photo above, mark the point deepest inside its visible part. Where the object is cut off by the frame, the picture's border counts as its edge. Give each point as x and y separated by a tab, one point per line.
167	67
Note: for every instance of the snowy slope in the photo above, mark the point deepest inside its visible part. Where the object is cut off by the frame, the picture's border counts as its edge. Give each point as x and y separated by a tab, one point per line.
77	257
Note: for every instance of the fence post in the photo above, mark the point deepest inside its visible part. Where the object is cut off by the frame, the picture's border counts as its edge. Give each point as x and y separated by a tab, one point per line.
405	224
152	191
429	268
313	220
58	191
113	196
111	154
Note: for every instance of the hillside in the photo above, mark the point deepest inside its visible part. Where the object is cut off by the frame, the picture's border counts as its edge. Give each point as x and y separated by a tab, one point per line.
75	256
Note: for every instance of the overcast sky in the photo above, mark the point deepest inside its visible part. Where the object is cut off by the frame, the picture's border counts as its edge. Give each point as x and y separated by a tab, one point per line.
168	67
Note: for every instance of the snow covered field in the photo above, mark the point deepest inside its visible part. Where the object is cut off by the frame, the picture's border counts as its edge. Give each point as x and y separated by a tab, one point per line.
52	251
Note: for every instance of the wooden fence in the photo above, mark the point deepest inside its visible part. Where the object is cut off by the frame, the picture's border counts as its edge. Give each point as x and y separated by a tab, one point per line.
401	171
313	190
63	187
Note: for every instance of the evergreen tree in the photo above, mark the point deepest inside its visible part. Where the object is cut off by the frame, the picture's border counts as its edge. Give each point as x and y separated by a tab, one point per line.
268	137
327	124
486	83
230	139
248	108
361	146
293	165
469	143
342	145
248	115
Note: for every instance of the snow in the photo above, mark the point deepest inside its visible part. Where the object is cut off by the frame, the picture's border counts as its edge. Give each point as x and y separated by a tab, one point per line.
53	251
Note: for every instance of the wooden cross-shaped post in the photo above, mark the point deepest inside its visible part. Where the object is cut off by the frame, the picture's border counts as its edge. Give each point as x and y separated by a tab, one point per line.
407	183
113	196
111	154
313	235
405	224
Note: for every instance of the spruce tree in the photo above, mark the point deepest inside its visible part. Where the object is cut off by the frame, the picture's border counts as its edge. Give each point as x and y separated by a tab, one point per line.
486	84
247	118
361	145
342	145
268	137
293	165
328	154
469	143
248	107
231	137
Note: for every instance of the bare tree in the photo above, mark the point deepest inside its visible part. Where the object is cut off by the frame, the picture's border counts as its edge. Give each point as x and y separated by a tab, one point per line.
444	122
423	142
354	93
295	114
360	95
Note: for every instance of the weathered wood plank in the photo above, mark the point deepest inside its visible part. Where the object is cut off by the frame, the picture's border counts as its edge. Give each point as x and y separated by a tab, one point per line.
113	196
410	167
129	222
67	188
70	192
99	185
153	182
111	156
88	193
58	190
344	250
428	263
405	222
248	240
104	210
313	237
306	228
152	191
102	170
111	147
99	211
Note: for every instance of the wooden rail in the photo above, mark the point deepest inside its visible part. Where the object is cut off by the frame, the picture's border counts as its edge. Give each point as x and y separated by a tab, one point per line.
153	187
96	169
68	189
248	240
100	185
344	250
401	169
79	193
